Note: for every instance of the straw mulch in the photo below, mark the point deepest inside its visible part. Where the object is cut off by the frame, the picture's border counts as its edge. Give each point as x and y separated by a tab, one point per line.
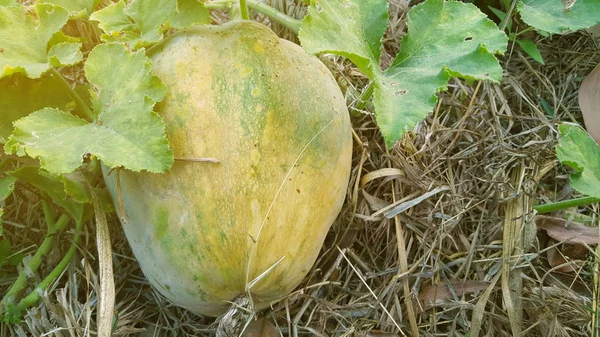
463	255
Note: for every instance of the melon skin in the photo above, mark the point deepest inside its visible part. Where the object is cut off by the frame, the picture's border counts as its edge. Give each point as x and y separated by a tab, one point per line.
276	120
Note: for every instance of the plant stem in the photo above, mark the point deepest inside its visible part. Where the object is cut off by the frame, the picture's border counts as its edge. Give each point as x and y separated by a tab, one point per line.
363	99
244	10
36	260
275	15
557	206
88	113
33	297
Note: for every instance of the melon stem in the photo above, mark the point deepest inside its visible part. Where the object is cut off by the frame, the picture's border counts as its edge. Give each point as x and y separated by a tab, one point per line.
275	15
235	320
244	10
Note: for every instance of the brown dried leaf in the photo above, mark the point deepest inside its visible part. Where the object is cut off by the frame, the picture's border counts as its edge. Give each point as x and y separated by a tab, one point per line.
430	295
261	328
567	258
375	203
106	303
381	173
567	231
589	103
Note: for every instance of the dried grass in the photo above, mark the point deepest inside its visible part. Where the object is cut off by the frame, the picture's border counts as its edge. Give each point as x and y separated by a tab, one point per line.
490	146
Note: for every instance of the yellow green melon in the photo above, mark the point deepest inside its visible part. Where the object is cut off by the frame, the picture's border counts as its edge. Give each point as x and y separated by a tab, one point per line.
276	121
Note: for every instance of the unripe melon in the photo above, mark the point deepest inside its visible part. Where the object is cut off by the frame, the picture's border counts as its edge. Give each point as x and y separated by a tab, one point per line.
275	119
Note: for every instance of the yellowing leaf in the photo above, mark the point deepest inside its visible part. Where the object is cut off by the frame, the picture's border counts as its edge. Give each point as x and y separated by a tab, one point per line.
143	22
126	131
24	37
76	8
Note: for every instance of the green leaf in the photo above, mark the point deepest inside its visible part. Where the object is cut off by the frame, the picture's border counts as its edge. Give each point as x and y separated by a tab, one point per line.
20	96
531	49
352	29
76	187
189	13
144	21
24	37
7	186
502	16
7	255
579	151
550	15
127	132
50	185
76	8
7	3
444	40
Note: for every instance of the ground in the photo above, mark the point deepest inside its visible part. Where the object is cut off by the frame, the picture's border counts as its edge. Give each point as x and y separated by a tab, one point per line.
468	259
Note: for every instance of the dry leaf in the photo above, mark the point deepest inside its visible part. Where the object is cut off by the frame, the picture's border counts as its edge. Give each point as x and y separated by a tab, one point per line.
430	295
568	231
261	328
589	103
381	173
594	31
375	203
568	257
106	303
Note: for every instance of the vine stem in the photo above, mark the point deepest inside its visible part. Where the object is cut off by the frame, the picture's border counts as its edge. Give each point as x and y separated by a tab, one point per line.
88	113
244	10
36	260
33	297
272	13
557	206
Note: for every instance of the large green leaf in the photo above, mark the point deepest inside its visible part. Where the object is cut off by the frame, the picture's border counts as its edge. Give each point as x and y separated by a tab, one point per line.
144	21
578	150
550	15
352	29
24	37
20	96
445	39
126	131
76	8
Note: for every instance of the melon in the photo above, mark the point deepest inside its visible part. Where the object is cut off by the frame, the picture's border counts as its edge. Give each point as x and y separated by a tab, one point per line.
252	224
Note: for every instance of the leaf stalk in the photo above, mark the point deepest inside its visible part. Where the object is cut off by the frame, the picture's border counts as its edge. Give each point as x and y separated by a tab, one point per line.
88	113
272	13
557	206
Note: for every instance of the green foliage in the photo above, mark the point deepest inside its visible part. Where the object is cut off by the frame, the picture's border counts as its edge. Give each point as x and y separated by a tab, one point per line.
550	15
8	256
327	29
579	151
20	96
145	21
50	186
531	49
126	131
7	185
76	8
24	38
444	40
